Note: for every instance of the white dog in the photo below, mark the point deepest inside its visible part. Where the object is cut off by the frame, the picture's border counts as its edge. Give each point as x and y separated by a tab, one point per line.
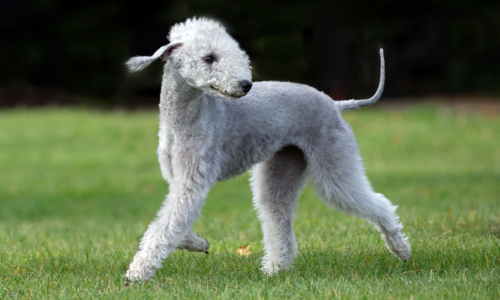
289	131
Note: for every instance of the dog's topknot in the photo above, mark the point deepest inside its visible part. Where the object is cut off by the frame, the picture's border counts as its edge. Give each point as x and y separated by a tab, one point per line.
197	30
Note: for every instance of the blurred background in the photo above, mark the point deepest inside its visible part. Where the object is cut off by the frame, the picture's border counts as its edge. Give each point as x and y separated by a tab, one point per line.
63	52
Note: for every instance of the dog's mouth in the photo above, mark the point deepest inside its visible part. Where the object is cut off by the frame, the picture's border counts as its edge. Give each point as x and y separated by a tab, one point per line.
225	94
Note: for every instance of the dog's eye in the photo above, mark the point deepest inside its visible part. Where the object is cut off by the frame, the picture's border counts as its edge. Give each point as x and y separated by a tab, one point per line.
209	59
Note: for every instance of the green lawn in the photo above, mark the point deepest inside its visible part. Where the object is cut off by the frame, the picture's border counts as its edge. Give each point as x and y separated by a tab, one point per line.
78	188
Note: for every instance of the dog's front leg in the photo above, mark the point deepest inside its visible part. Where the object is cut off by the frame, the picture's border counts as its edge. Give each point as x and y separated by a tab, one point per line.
179	211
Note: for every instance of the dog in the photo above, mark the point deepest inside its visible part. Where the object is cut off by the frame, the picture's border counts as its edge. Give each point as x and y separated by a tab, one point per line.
216	124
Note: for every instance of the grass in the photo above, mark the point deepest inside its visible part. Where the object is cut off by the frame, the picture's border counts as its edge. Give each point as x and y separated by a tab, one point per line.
78	188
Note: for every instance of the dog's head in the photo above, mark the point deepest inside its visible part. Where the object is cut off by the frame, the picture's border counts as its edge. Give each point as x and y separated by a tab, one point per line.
206	56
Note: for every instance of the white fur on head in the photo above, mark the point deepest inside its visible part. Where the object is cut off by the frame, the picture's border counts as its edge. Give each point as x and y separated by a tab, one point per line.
138	63
202	37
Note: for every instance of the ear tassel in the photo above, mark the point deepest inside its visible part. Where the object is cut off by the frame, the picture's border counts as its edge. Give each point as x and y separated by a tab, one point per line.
138	63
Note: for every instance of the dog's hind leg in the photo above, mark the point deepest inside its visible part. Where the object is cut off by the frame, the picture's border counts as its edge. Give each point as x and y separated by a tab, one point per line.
276	184
337	172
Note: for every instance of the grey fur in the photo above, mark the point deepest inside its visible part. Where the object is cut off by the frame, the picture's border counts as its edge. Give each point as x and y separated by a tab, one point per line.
289	131
355	104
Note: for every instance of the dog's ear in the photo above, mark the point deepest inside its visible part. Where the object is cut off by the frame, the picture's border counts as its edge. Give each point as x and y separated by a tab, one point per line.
138	63
168	51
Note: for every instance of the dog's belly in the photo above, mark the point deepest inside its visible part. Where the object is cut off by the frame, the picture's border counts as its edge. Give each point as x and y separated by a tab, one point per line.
228	173
236	160
234	164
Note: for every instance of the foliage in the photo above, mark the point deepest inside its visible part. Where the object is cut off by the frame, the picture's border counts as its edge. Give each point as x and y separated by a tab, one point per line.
431	46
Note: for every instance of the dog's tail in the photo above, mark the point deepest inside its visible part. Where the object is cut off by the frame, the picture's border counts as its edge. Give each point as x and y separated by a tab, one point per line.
355	104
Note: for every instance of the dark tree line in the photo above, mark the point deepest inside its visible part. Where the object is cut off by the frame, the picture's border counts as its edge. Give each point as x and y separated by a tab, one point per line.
78	47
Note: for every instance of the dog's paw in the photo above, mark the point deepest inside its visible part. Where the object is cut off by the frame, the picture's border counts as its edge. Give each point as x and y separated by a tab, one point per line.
131	279
398	244
271	269
206	245
194	243
138	271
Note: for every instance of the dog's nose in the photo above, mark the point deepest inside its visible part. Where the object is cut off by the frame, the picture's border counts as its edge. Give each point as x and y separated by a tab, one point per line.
246	85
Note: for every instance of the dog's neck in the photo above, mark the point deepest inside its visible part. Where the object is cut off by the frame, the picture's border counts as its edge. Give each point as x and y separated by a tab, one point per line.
179	102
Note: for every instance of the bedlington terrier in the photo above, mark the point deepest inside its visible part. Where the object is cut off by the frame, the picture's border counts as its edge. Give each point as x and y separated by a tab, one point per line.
287	131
